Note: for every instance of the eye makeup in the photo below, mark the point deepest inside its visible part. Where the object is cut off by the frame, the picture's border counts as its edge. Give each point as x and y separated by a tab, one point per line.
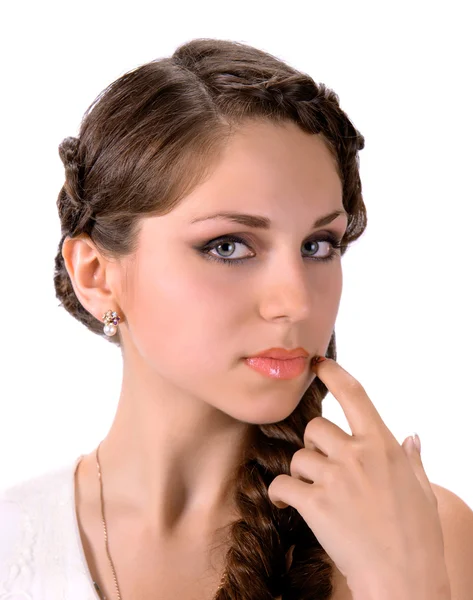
334	240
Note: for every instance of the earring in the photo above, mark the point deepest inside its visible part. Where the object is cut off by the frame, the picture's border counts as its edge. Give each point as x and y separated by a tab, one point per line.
111	319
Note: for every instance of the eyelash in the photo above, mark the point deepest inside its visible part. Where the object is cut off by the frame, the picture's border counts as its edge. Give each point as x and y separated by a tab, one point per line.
328	237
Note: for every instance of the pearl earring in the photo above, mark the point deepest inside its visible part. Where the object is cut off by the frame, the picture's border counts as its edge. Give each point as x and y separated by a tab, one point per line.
111	319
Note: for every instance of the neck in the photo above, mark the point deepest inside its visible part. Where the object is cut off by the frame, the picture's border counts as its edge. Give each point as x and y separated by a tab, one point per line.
168	459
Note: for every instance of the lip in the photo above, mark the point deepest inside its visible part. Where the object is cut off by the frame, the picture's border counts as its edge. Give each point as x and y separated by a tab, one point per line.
278	369
282	353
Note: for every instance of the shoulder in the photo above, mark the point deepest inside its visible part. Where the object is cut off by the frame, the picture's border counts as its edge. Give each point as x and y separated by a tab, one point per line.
33	514
31	499
456	519
35	493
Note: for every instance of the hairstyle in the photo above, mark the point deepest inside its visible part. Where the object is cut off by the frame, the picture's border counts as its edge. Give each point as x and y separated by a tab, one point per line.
144	143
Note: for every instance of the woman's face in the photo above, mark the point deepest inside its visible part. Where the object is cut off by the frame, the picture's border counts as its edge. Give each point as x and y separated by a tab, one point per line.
192	318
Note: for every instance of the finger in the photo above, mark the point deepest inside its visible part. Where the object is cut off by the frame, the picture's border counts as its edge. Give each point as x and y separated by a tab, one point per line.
289	491
307	465
417	466
361	414
322	435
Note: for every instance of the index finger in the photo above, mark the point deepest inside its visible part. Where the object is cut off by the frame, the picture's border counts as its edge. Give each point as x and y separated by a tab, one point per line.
359	410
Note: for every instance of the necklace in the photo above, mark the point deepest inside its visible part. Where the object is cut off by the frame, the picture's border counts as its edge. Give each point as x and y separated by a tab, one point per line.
105	534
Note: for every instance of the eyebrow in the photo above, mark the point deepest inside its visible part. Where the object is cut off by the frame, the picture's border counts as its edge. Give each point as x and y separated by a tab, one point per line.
259	222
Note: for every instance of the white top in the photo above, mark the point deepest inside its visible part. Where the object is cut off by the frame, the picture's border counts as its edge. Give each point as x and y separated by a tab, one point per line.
41	553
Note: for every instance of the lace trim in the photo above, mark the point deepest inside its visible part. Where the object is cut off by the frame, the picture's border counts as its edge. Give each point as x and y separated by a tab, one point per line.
44	560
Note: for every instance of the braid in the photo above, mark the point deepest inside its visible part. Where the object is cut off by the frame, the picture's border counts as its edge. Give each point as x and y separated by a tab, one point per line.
264	534
313	106
76	214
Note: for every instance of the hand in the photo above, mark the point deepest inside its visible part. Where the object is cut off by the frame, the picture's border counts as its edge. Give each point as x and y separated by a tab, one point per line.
366	498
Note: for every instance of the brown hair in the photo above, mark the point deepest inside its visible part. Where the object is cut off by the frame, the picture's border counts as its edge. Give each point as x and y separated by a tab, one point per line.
144	143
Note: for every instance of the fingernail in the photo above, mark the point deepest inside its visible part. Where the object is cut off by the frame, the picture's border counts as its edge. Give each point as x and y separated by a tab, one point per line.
317	360
416	440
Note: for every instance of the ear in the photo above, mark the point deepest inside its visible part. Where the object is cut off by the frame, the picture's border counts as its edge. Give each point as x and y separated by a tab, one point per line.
90	274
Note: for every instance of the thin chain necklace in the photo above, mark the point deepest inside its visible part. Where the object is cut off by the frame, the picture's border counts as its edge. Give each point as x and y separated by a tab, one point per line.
105	534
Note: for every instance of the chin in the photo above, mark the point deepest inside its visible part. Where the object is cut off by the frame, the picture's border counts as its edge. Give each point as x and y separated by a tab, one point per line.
263	413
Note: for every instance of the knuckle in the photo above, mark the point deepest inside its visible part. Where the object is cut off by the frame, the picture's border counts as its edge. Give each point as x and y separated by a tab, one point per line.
354	386
364	452
311	431
358	454
297	456
313	425
390	449
297	460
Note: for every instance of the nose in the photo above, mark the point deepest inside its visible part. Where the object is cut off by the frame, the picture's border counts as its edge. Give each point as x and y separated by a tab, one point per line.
286	291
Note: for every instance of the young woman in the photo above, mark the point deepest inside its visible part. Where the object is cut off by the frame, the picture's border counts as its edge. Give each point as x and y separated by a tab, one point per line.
208	200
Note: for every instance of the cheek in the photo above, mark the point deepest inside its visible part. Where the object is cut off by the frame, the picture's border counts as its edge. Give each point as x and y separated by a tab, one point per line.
177	319
326	303
332	292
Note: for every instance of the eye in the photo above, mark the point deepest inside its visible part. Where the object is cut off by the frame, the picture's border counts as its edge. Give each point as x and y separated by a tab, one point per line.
225	246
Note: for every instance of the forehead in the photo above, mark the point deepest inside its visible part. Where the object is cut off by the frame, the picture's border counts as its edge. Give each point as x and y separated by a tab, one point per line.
261	146
264	164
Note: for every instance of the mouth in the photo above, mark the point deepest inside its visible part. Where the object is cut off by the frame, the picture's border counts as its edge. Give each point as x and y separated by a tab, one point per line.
288	368
282	353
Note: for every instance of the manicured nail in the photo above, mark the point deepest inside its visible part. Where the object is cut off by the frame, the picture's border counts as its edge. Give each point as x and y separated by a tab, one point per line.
416	440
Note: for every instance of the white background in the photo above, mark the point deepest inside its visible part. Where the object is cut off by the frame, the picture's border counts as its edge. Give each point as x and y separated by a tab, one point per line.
403	74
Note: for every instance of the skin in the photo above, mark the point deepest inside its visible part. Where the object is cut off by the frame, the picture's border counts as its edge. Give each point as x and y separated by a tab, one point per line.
187	399
365	490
